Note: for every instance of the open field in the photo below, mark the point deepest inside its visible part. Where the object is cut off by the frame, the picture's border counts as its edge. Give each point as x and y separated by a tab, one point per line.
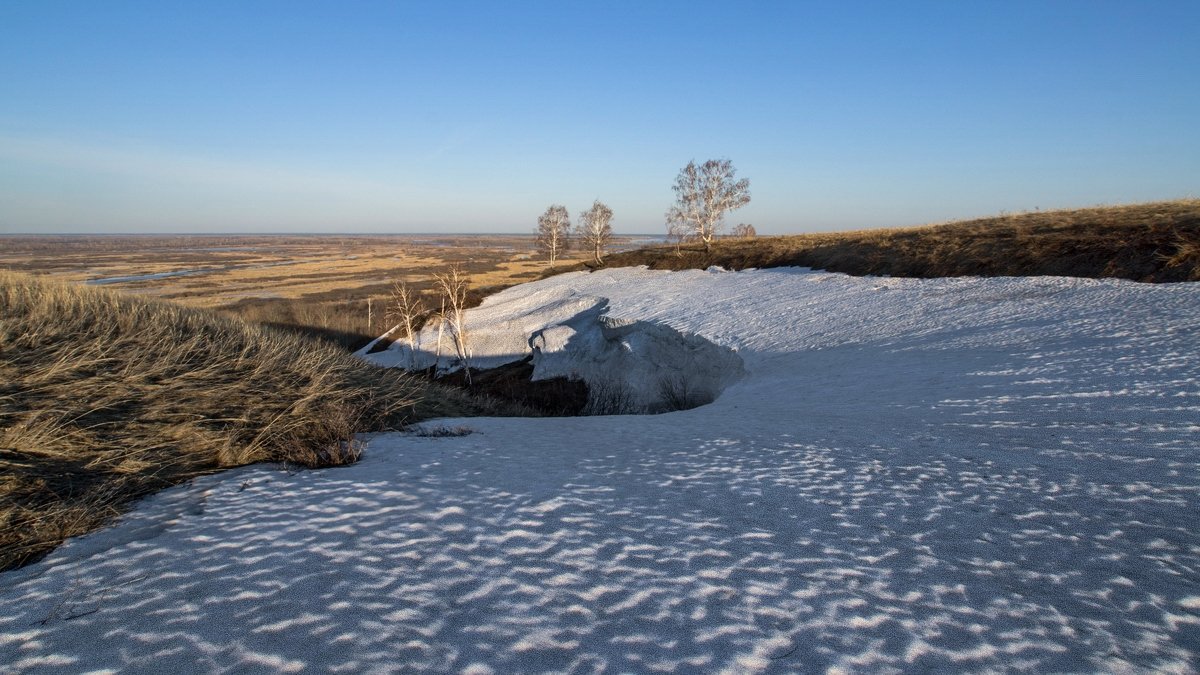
336	287
1155	242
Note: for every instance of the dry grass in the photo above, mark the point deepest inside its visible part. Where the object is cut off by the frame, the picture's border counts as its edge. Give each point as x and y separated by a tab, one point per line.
1156	242
106	397
333	288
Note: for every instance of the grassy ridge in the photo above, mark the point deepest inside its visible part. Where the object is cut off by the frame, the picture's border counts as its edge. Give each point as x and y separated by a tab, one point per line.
1156	242
105	397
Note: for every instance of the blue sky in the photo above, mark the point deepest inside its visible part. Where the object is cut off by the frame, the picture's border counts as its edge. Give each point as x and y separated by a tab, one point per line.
473	117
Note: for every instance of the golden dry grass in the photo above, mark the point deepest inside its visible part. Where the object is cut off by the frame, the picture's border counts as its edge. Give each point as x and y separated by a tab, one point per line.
320	286
1155	242
106	397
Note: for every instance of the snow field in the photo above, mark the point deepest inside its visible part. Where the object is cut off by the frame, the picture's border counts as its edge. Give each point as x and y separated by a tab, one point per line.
911	475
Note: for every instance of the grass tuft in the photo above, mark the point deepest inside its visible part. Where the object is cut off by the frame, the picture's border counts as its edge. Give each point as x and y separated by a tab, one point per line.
105	398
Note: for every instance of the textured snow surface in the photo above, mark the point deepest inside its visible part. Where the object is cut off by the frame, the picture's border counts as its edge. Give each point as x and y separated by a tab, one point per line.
957	474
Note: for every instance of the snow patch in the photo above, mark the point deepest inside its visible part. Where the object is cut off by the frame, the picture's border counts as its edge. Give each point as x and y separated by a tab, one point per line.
630	366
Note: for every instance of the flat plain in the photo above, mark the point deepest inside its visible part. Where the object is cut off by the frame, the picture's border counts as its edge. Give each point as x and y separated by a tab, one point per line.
332	286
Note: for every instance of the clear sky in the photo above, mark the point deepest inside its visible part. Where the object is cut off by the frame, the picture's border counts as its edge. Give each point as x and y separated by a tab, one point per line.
253	116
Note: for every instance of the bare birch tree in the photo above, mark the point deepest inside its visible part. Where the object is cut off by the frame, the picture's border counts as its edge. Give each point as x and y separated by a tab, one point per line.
406	309
553	231
703	194
595	229
453	285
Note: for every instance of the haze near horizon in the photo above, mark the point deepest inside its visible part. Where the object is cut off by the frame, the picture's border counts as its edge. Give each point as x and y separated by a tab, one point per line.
393	117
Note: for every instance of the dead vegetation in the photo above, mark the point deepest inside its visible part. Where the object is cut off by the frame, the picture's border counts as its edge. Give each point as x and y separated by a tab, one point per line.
106	397
314	285
1156	242
513	384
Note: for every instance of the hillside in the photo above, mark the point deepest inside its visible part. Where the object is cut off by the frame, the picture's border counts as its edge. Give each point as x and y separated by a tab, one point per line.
906	475
1155	242
106	397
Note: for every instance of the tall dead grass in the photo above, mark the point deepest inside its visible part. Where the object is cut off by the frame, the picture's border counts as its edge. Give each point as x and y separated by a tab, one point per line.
1154	242
104	398
343	323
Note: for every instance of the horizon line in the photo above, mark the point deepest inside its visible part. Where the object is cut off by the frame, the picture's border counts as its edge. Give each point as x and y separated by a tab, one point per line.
298	234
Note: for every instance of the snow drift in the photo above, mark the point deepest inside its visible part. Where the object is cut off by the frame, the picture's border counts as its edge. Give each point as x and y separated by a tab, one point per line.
630	366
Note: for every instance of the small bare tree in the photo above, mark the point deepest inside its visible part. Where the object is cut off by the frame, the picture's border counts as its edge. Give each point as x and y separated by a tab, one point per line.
595	229
744	231
703	194
453	285
677	234
406	309
553	231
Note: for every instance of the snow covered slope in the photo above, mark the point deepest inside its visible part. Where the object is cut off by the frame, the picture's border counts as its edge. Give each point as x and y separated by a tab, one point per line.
911	475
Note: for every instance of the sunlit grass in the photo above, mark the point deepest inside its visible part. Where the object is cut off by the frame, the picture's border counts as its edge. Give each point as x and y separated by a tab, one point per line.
1144	242
106	397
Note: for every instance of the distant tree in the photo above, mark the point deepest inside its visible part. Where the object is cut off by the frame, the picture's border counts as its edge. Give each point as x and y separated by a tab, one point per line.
553	231
595	229
744	231
703	194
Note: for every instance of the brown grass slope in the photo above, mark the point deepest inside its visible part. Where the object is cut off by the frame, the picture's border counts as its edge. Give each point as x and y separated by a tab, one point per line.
105	398
1156	242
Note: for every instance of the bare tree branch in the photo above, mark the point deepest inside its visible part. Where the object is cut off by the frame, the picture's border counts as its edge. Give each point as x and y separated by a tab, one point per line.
406	309
453	285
